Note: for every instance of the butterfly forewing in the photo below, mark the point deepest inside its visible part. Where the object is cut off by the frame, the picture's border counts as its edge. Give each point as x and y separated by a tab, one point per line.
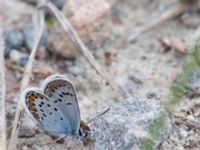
62	93
47	114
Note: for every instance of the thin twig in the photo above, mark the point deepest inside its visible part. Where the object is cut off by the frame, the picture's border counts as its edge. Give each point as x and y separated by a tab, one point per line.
37	72
76	39
26	77
187	122
3	135
174	11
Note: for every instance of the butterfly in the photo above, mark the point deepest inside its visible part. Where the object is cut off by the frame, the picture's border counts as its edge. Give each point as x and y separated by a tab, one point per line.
54	107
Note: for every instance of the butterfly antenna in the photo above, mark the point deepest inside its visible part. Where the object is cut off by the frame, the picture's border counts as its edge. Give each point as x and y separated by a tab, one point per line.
99	115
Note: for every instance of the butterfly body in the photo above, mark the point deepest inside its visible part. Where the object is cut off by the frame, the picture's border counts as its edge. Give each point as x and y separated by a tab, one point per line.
55	108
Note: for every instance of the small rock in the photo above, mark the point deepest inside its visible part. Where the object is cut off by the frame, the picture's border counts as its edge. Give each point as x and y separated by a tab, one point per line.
108	58
32	2
41	53
26	132
87	12
18	57
151	95
178	45
137	77
190	117
59	3
195	79
183	133
23	61
193	88
91	21
75	70
165	43
127	124
116	15
29	36
190	20
13	40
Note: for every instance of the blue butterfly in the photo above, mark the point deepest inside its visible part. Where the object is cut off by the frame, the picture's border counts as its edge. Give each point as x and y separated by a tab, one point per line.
55	108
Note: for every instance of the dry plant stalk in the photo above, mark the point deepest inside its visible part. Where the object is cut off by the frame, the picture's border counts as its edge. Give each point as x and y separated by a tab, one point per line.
39	26
35	72
3	137
187	122
79	43
176	10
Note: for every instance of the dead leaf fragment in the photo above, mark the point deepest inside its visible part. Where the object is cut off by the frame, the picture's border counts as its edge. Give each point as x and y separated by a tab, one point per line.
178	45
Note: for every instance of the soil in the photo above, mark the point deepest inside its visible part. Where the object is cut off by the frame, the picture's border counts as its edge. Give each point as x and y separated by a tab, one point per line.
140	67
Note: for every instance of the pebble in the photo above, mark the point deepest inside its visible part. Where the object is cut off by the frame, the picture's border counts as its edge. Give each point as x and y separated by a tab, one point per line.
190	117
190	20
26	132
137	77
59	3
75	70
18	57
13	40
151	95
183	133
127	123
29	36
23	61
178	45
165	44
195	79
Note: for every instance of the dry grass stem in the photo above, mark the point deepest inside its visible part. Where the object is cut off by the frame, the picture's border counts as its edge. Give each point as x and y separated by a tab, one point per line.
174	11
36	72
39	26
187	122
79	43
3	138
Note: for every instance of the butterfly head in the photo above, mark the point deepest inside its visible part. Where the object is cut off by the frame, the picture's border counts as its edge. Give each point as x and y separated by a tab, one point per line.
84	130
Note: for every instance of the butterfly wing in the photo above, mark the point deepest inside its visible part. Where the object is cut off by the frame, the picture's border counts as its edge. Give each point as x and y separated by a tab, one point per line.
47	115
59	89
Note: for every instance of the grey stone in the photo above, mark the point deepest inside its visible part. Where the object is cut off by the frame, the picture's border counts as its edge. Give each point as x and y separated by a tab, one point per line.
126	124
23	61
195	79
192	89
58	3
29	35
137	77
13	40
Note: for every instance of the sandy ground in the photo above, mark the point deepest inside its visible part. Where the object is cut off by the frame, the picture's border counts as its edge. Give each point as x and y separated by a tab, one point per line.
140	67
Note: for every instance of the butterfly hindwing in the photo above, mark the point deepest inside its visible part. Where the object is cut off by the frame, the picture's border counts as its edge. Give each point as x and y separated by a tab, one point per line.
46	113
62	93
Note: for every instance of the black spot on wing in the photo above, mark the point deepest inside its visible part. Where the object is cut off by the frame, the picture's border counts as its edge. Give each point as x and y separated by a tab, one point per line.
69	103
